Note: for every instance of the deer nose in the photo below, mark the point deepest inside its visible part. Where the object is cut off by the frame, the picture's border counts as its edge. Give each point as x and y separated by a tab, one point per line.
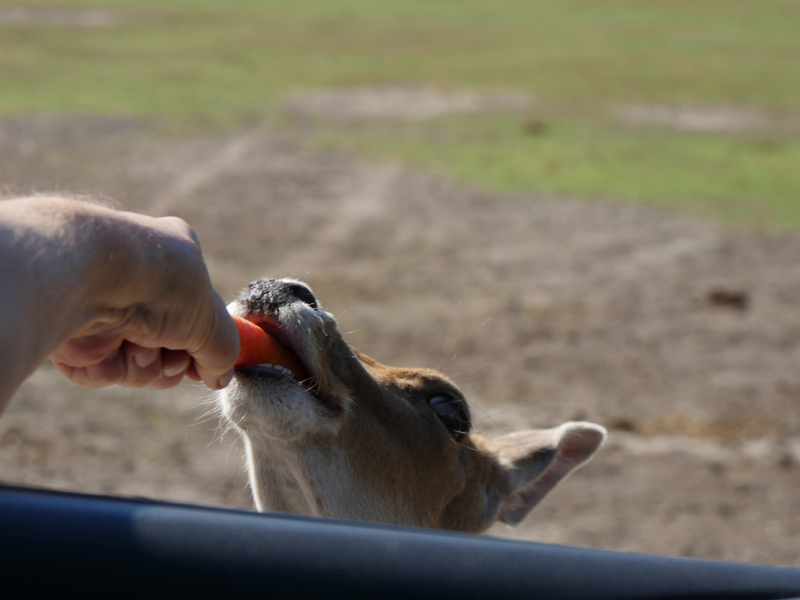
276	292
302	292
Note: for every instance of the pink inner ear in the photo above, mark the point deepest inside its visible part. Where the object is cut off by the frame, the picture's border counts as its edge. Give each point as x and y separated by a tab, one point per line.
579	445
576	445
571	450
570	454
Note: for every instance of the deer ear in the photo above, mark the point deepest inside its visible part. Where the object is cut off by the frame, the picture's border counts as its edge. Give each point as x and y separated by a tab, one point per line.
535	461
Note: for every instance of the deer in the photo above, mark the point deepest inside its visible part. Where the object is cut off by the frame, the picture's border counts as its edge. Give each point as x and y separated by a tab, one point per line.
330	432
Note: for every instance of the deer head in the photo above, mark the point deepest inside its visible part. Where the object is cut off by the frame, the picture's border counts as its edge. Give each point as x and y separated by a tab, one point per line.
354	439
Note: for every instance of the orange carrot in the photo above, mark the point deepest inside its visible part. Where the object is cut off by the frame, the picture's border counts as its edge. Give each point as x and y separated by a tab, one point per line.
259	347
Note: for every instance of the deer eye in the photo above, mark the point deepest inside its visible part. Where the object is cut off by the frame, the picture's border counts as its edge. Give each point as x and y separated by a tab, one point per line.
452	412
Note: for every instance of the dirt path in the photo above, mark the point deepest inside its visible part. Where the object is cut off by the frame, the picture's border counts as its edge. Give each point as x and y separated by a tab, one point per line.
681	336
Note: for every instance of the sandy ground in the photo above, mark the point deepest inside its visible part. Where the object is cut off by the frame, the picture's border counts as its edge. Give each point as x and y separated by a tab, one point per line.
717	119
680	336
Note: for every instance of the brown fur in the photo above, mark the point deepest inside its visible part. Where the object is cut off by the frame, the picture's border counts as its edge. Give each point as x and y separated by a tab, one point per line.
363	440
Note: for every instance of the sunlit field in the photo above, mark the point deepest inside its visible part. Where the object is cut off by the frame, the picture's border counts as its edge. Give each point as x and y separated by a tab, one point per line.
216	64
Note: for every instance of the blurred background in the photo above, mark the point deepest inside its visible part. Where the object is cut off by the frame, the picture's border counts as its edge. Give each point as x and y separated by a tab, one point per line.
578	209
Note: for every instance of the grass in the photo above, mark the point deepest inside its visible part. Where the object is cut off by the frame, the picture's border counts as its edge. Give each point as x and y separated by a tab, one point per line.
209	63
752	180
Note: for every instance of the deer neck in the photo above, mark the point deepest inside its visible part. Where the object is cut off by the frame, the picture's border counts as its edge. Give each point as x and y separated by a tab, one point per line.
311	477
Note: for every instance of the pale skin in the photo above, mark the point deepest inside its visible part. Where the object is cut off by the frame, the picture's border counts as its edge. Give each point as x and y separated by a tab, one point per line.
109	297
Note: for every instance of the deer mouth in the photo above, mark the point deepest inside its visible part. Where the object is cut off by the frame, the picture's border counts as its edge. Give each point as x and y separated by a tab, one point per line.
283	360
287	364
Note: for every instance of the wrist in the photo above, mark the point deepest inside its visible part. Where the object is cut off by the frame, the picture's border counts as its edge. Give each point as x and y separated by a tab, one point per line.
44	270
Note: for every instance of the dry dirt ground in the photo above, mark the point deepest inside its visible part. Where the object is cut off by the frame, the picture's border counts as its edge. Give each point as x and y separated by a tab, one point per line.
720	119
402	102
680	336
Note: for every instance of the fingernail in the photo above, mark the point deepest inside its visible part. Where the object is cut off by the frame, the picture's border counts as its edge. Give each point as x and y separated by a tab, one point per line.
225	379
145	358
176	369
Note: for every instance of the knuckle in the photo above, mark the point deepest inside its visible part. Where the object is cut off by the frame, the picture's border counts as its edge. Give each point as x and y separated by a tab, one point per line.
136	379
183	228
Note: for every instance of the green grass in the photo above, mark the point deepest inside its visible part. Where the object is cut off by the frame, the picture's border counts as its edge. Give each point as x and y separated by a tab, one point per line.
218	64
752	180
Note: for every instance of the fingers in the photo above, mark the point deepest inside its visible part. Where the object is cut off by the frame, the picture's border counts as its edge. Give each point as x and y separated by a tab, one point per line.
86	351
192	373
142	365
182	228
174	364
132	366
109	371
215	358
162	298
159	368
196	319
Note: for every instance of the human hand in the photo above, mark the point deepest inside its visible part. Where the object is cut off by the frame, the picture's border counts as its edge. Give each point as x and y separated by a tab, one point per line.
151	315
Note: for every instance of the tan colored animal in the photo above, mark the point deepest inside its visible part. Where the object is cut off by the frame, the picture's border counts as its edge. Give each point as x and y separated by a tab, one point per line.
364	441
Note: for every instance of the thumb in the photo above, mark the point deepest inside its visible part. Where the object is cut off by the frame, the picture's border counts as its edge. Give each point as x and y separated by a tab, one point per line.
214	359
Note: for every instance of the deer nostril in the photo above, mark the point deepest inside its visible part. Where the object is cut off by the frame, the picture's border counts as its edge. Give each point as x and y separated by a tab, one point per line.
268	295
303	294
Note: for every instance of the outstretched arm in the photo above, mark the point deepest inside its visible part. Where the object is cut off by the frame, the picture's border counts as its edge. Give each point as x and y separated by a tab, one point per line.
110	297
